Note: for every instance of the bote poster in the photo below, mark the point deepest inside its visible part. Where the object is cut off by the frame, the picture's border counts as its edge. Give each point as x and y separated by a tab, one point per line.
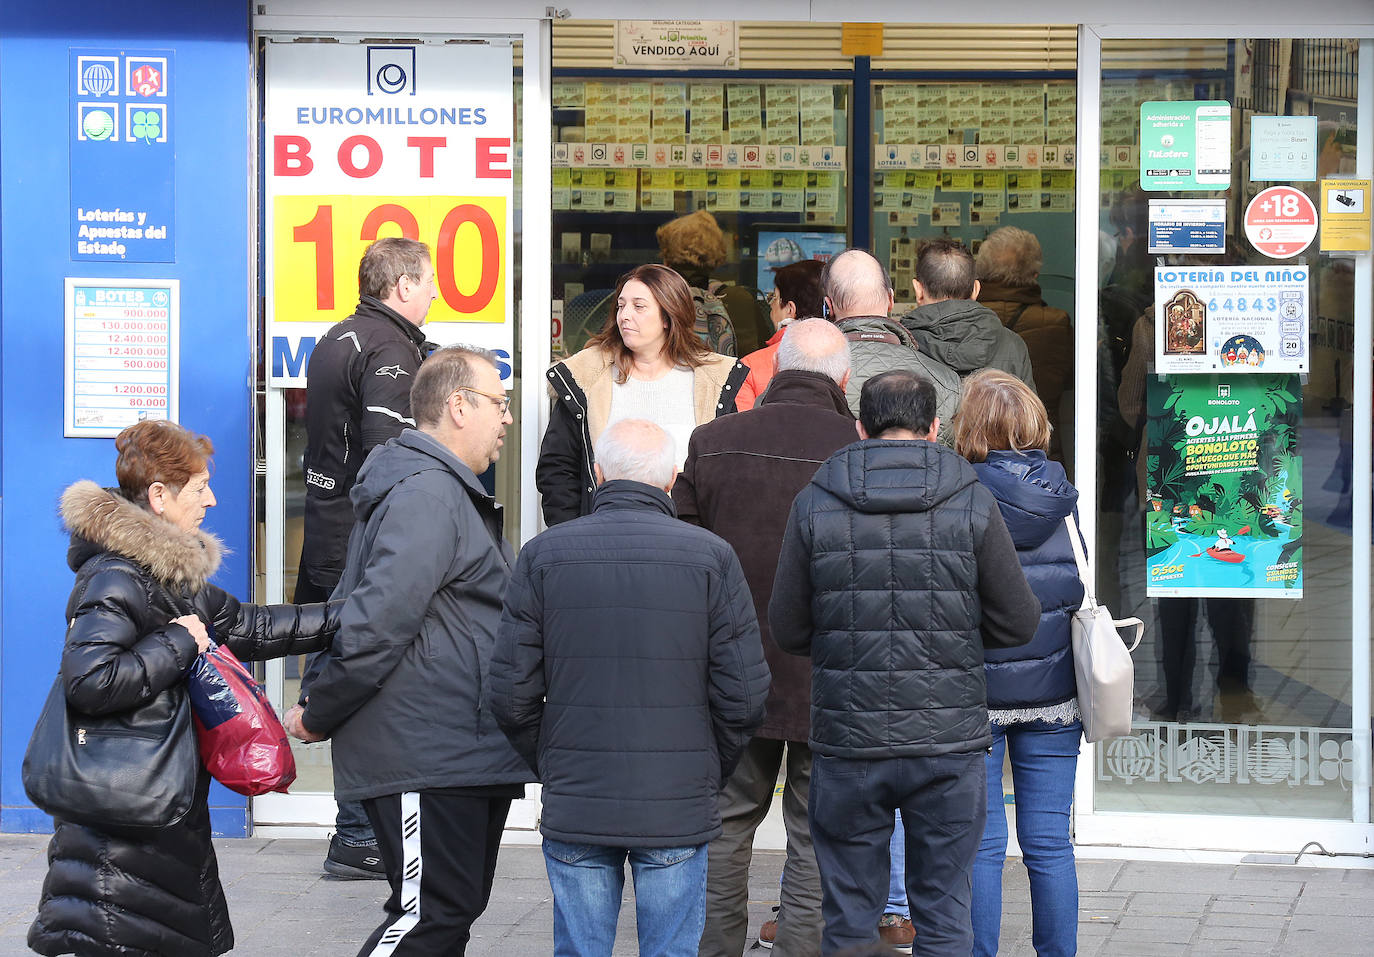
397	139
1223	518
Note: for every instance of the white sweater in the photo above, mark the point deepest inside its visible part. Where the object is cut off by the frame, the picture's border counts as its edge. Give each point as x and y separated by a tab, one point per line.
666	402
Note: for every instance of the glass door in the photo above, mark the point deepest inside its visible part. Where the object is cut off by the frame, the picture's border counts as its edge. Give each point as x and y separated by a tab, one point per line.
520	336
1229	380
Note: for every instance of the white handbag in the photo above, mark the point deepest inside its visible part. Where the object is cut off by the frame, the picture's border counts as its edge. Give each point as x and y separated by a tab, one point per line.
1101	660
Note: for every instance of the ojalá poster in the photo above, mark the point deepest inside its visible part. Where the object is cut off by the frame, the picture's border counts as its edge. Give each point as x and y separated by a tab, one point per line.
1223	516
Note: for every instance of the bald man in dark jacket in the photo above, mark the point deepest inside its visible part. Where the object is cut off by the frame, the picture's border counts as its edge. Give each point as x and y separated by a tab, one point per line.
741	475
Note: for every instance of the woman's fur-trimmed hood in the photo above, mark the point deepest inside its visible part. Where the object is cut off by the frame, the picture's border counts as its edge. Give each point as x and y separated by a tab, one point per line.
112	523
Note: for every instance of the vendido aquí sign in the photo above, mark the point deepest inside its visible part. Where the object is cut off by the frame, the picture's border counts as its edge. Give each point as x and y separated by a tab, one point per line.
676	44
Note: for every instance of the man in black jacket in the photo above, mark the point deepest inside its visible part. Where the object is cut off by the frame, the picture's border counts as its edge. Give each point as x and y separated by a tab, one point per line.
400	691
629	675
896	571
358	396
357	390
741	475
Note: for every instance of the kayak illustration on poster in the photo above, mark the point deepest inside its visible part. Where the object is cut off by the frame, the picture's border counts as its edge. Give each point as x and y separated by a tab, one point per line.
1223	517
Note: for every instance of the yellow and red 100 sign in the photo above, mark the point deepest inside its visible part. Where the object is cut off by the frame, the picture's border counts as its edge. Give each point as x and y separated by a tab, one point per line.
318	241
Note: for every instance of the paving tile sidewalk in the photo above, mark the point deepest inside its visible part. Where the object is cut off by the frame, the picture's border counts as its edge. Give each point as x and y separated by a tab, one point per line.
284	907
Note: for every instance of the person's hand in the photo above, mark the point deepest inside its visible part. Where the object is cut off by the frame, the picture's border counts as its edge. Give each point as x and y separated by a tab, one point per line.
295	727
196	627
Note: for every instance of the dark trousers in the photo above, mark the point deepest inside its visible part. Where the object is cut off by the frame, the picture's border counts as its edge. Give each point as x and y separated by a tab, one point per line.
314	585
440	854
744	803
943	800
1232	621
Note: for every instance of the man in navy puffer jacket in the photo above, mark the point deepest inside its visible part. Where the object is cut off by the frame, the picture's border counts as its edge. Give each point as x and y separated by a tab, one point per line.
896	571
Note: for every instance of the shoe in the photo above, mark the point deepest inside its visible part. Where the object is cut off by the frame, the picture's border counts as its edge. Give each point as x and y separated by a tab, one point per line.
1239	707
768	931
350	863
896	931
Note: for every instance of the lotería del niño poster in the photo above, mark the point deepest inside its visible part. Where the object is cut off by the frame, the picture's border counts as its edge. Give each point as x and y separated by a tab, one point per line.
1223	516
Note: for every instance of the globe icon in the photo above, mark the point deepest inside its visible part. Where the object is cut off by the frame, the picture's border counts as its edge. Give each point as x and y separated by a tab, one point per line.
98	78
1132	757
97	125
783	252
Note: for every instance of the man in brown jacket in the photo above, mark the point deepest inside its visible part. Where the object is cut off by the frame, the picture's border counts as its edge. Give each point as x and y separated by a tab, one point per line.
741	474
1008	270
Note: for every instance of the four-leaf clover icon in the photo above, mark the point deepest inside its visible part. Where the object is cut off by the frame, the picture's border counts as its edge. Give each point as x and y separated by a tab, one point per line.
147	125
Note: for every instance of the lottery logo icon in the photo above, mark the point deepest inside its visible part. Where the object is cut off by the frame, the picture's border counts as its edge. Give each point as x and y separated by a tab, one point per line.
97	125
146	76
97	122
391	70
147	80
98	79
146	124
97	75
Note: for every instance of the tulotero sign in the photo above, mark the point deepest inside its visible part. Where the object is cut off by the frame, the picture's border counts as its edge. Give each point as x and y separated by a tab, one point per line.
676	44
372	140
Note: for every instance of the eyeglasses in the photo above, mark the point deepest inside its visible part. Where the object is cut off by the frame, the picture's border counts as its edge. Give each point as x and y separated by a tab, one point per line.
502	402
772	297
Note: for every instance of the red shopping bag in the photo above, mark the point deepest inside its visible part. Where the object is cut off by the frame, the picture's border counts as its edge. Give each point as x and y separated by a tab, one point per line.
242	742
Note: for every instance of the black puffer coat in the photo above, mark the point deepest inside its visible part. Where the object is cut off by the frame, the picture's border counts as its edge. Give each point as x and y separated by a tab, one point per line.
896	571
141	895
628	672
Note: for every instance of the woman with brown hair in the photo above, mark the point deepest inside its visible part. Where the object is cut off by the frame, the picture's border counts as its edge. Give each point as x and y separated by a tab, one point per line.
797	294
141	610
646	363
1002	429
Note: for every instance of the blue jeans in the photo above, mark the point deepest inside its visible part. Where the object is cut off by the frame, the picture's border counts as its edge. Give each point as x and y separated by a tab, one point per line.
896	878
352	825
589	879
942	800
1043	760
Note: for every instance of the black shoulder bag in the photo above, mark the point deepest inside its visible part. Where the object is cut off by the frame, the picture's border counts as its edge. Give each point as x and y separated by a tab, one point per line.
108	772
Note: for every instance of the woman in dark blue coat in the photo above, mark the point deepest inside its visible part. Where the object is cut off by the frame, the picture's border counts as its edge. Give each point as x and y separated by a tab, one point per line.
1003	430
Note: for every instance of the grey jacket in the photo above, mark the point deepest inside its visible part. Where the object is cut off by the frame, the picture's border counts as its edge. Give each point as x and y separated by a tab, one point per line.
878	344
968	337
401	691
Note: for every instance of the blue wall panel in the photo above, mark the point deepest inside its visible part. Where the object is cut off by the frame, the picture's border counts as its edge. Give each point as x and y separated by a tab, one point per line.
212	77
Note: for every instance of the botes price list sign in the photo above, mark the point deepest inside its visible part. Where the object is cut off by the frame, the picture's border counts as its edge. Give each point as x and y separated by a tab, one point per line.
121	354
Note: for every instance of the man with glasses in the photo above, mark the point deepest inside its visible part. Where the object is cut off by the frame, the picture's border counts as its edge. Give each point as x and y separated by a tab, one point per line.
358	396
400	691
